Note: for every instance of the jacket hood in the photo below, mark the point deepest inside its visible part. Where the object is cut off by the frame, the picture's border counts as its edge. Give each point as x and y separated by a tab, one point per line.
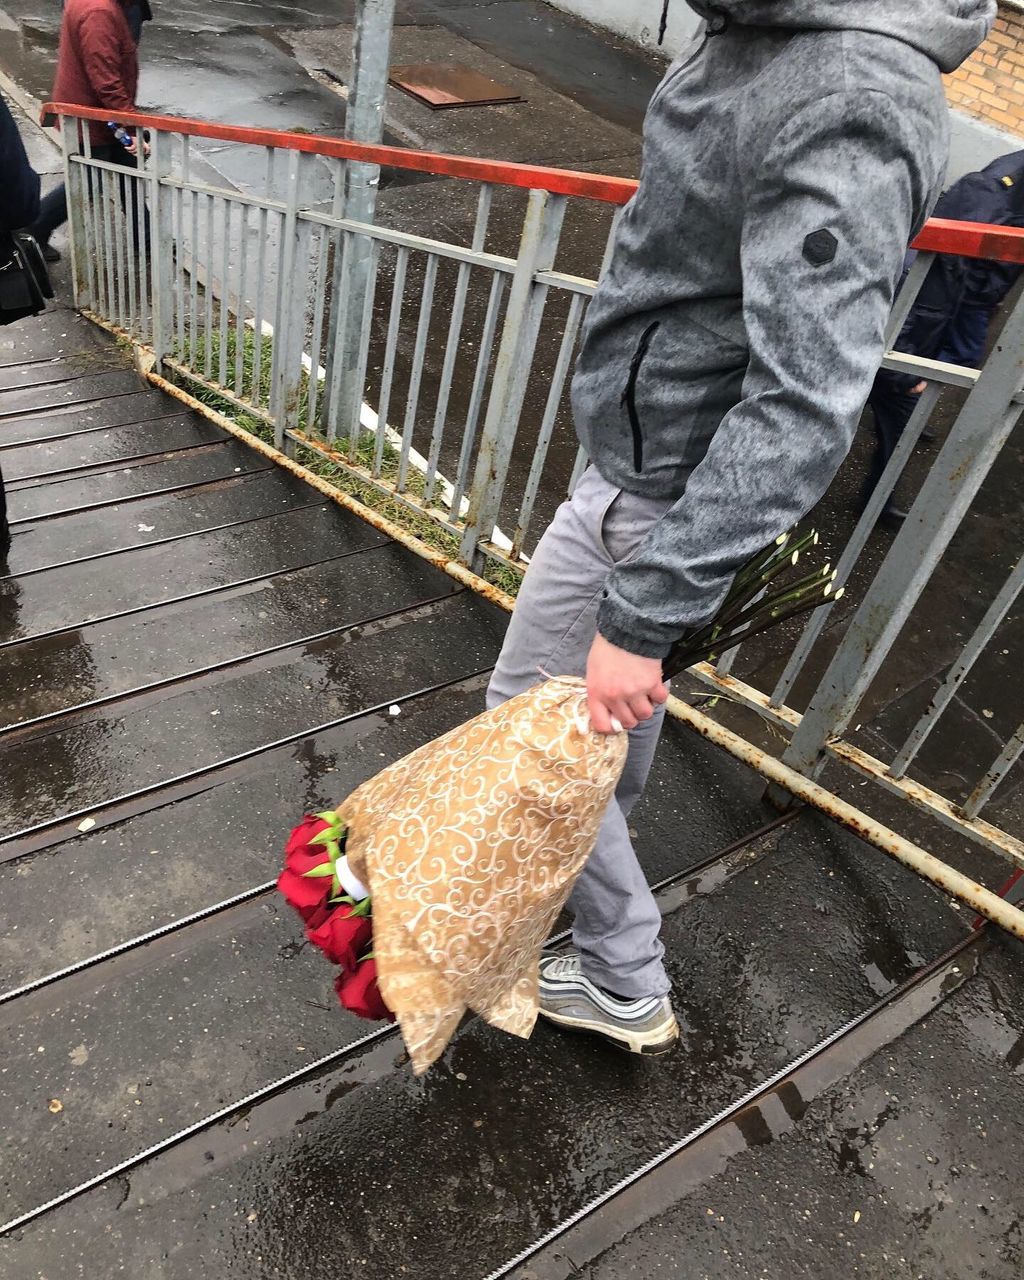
948	31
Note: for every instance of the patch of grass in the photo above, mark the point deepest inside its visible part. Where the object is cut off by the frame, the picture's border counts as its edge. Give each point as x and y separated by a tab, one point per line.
505	577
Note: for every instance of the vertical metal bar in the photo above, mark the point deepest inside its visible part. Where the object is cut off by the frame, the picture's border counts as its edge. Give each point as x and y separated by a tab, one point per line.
452	347
286	373
547	426
390	348
242	307
256	394
958	672
609	247
476	397
364	122
193	324
179	272
90	270
98	196
1002	765
75	186
919	268
90	191
483	217
335	364
133	292
858	539
541	229
137	244
981	429
355	425
727	661
225	293
208	286
116	182
317	336
335	306
416	373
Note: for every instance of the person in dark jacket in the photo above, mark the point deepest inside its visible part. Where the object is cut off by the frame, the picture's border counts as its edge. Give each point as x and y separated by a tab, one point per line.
19	205
19	188
97	66
951	315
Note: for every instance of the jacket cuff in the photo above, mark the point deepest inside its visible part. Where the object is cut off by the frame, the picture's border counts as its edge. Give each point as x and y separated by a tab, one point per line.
628	630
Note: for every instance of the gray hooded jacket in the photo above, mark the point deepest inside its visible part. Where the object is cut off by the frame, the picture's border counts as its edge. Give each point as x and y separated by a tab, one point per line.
730	347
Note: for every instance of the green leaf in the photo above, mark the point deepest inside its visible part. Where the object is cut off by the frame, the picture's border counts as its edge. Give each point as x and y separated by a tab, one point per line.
363	908
317	873
325	837
328	815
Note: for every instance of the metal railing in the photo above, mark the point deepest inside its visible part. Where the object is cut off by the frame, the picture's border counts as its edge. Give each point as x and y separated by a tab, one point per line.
454	402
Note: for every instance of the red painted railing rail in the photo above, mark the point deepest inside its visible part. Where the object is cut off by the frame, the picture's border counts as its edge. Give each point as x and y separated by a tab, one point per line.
940	235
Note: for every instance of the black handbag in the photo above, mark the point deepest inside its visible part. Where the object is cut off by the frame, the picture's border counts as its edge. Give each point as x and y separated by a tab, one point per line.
24	281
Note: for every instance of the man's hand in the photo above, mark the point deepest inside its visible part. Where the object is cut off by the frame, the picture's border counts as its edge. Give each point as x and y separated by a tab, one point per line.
621	686
916	391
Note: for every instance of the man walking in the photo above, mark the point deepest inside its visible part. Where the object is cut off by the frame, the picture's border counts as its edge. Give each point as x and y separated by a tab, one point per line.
97	66
726	359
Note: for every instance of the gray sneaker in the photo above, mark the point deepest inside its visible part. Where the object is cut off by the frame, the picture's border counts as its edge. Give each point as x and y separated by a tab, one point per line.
644	1026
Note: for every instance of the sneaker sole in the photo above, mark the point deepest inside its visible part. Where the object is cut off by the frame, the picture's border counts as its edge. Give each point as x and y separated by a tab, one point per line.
648	1044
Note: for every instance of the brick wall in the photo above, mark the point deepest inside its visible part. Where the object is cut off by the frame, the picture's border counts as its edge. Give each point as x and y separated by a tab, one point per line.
990	84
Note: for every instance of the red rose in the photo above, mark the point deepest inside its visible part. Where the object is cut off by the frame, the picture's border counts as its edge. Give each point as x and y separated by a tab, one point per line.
305	894
299	854
317	916
342	936
359	992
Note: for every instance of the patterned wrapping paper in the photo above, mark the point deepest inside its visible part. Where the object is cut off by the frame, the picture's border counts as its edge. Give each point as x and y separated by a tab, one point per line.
470	846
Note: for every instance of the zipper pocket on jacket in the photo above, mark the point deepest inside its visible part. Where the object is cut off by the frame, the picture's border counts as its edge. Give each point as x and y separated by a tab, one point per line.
629	395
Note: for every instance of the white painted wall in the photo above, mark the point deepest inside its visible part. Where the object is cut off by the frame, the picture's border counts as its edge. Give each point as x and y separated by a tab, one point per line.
638	20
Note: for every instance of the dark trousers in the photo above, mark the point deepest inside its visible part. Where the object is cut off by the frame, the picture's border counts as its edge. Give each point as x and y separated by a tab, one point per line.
891	406
966	336
53	211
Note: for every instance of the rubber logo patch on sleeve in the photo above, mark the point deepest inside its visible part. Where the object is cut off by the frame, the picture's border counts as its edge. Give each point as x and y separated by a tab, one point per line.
1007	181
820	247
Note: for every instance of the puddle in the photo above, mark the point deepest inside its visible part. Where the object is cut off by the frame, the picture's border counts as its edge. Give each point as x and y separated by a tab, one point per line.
707	1152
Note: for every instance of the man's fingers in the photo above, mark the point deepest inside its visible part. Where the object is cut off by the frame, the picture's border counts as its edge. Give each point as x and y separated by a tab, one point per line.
622	711
659	694
600	720
641	707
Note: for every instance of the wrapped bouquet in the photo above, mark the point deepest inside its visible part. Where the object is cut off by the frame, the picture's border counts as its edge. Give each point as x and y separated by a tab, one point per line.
433	887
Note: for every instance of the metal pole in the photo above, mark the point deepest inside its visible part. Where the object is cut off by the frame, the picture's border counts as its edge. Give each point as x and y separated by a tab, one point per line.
162	246
77	186
537	248
364	122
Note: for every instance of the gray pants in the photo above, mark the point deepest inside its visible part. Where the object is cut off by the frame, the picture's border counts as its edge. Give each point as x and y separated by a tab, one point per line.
616	919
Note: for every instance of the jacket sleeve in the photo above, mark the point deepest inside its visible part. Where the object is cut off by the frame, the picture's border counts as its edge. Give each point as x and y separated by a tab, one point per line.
100	45
825	230
19	191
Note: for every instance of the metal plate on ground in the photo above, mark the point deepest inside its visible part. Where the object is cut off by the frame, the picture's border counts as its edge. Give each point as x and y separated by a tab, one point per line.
440	86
